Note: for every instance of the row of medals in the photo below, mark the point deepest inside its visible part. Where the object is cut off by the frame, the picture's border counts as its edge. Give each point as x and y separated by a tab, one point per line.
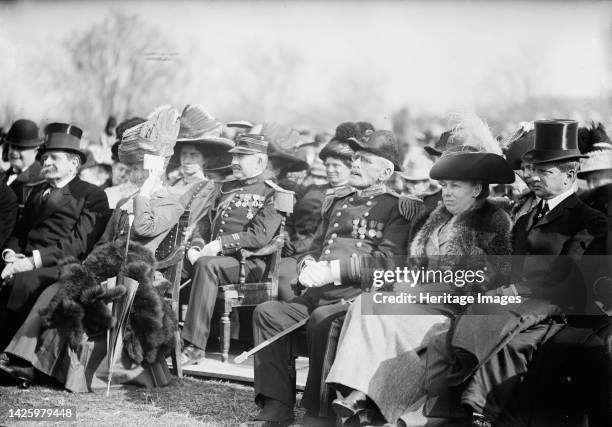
362	227
249	201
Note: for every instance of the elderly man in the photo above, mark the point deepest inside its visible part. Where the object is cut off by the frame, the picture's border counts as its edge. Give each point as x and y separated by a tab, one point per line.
245	217
358	227
62	217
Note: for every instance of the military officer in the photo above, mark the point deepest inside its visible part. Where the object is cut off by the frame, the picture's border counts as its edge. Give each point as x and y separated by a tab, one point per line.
244	217
358	226
302	224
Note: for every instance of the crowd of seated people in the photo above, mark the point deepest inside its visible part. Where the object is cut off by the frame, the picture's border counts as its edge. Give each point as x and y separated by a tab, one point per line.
529	214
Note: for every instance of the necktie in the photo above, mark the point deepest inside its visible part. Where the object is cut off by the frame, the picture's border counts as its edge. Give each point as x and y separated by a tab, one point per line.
542	210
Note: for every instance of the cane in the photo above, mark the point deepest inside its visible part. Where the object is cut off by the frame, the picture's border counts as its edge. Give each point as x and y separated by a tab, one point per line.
246	354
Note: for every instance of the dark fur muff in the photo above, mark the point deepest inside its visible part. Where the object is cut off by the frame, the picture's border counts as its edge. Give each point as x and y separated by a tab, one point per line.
80	306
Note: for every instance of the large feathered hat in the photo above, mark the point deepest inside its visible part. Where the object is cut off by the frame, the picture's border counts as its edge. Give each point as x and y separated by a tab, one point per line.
156	136
594	143
339	146
203	131
474	156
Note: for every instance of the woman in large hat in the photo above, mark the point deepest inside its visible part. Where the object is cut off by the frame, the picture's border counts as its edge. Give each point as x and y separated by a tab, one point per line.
460	234
199	147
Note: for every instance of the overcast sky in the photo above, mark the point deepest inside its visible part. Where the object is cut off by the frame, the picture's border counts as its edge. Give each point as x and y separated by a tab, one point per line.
433	56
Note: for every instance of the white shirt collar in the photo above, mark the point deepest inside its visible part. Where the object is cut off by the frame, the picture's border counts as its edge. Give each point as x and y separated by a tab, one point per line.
554	202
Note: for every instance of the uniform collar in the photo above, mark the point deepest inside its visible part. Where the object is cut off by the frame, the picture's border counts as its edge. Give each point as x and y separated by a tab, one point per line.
373	190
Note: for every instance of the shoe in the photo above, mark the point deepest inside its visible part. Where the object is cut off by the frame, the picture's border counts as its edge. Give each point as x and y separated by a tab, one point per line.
192	355
346	407
273	413
479	420
20	375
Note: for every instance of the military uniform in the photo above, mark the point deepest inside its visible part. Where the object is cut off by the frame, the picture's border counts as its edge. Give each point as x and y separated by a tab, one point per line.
301	227
244	217
357	228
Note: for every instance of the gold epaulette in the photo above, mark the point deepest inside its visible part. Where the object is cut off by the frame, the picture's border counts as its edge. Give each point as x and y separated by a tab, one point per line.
409	207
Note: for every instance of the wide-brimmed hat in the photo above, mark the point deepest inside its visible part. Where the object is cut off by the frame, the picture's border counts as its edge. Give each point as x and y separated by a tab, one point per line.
249	143
338	150
196	123
522	141
23	134
439	146
381	143
63	137
466	164
291	163
555	140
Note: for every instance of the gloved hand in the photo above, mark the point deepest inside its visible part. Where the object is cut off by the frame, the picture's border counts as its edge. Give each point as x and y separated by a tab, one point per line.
211	249
193	254
18	266
316	274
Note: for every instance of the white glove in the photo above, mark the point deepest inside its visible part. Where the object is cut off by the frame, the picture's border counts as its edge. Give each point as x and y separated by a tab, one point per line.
211	248
18	266
193	254
316	274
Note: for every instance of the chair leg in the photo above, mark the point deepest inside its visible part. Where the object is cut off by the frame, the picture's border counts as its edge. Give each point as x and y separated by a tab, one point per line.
176	354
225	333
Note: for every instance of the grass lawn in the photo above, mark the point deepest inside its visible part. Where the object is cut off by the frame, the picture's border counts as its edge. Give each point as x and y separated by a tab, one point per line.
185	402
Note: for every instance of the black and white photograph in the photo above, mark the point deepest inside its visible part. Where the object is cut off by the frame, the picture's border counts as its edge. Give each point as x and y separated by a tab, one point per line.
274	213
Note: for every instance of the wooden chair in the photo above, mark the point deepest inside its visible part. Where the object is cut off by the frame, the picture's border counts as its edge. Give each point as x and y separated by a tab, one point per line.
245	294
170	255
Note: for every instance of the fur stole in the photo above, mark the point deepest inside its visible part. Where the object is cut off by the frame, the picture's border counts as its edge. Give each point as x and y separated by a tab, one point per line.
479	238
80	306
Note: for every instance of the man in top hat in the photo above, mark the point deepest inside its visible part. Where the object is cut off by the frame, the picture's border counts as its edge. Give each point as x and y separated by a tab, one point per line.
244	217
360	224
23	143
62	217
549	247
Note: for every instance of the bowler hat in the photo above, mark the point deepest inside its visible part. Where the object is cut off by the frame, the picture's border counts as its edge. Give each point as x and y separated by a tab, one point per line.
23	134
555	140
338	150
381	143
249	143
458	164
63	137
291	163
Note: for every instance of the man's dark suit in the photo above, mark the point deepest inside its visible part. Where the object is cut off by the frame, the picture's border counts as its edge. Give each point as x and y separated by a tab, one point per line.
8	212
24	181
66	223
549	260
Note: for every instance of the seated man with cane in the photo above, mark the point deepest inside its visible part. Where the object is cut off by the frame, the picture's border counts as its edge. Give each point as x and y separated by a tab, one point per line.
358	227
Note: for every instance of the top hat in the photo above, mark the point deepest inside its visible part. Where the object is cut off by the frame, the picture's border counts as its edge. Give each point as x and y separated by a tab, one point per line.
555	140
381	143
291	163
250	143
338	150
64	137
23	134
467	164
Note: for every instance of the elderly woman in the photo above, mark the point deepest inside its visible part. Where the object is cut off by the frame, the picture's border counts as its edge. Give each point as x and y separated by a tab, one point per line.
460	234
